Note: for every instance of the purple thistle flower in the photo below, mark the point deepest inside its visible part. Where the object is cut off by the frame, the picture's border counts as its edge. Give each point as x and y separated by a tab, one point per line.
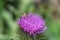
32	23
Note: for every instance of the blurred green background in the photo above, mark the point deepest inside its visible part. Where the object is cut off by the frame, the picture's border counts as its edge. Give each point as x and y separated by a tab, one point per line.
11	10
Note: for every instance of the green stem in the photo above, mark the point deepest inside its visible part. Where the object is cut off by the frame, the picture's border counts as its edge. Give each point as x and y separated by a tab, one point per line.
35	38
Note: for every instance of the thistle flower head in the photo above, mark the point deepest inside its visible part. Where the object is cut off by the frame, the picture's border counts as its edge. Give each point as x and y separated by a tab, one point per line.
32	23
